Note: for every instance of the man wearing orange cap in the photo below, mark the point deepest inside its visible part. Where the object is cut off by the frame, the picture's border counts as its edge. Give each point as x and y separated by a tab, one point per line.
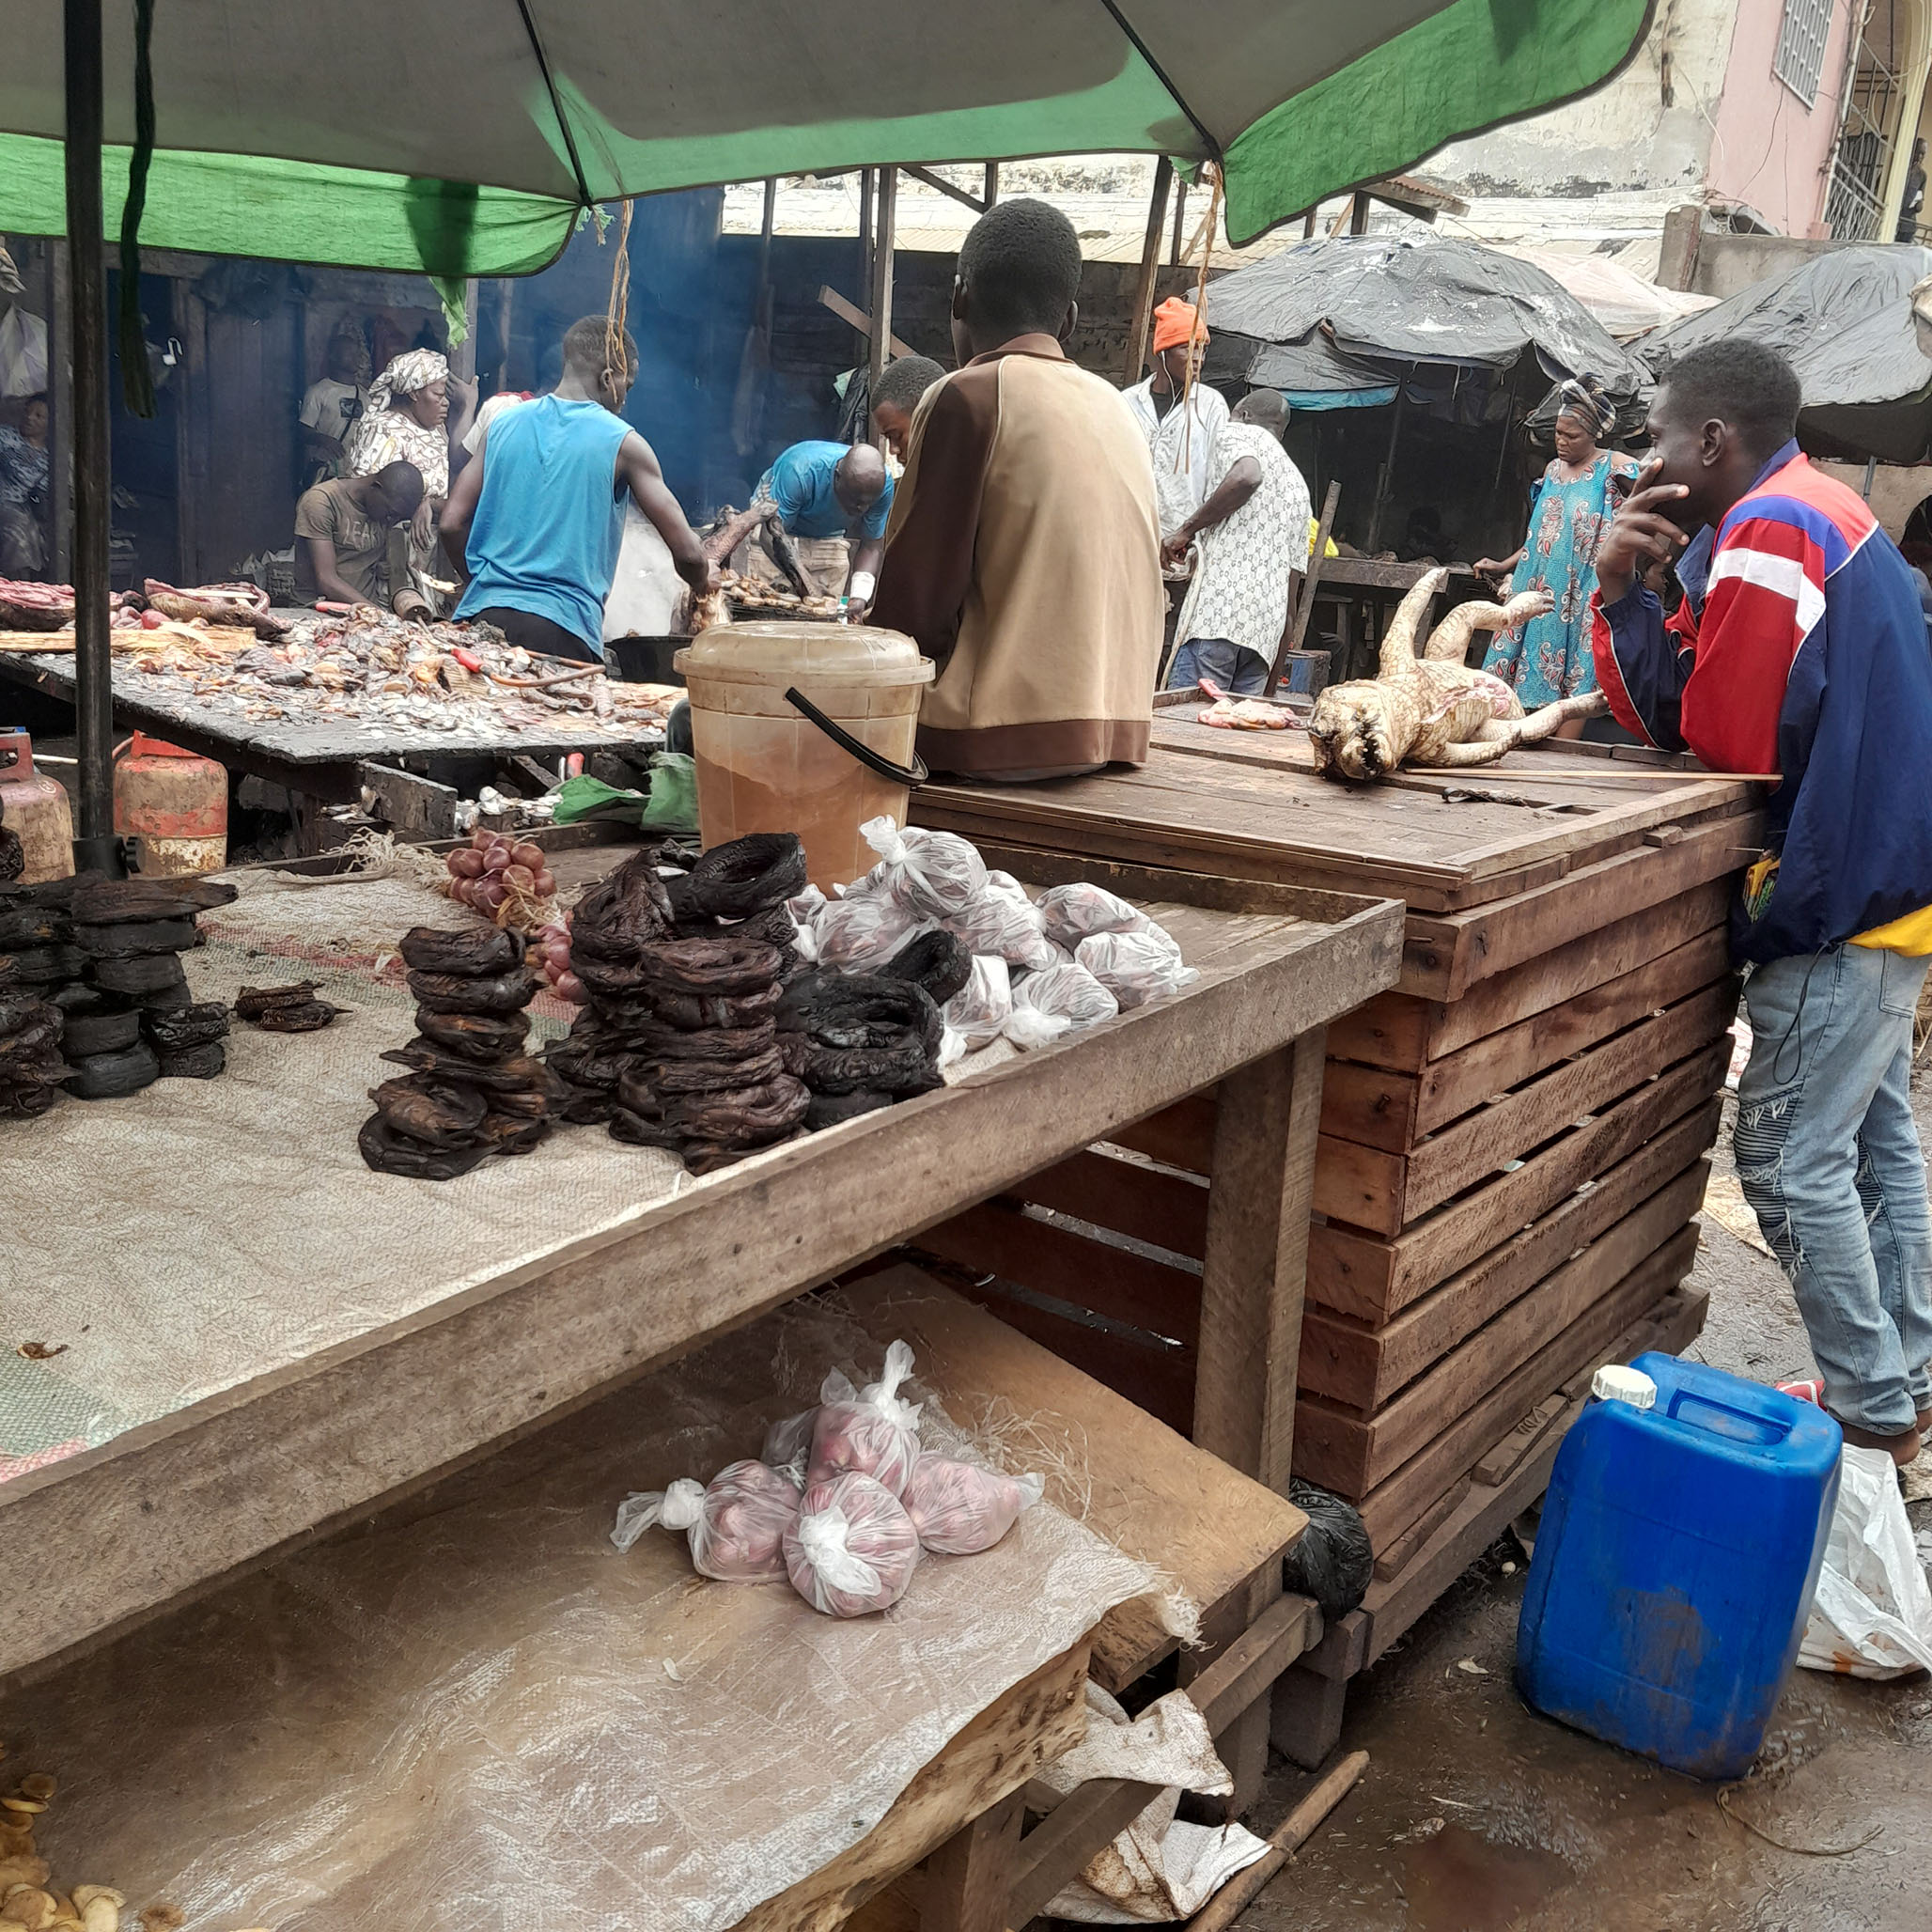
1182	435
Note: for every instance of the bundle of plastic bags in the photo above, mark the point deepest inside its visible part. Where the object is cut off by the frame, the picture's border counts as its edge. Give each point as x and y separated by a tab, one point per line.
1073	912
871	1431
1046	1005
978	1012
1135	967
861	931
734	1522
960	1508
1001	921
852	1548
935	874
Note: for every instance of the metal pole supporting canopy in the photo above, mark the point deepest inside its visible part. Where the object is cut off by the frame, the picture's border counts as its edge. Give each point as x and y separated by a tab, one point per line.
96	848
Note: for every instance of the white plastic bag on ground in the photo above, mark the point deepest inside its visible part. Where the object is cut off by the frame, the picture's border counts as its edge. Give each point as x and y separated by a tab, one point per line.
960	1508
1073	912
1136	967
852	1548
1872	1615
936	873
982	1006
1046	1005
736	1522
1158	1870
872	1432
804	910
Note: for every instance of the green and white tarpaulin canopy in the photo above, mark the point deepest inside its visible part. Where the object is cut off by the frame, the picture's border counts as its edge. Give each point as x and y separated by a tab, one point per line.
461	137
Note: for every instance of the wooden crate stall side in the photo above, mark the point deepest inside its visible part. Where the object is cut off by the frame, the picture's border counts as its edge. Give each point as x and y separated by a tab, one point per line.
1393	1111
1358	1274
1350	1453
1362	1363
1400	1497
1404	1034
1384	1192
1445	955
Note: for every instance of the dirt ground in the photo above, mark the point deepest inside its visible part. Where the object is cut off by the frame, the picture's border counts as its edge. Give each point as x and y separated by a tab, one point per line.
1478	1815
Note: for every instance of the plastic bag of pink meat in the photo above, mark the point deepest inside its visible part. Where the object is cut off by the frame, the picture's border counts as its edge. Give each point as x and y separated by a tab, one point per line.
871	1500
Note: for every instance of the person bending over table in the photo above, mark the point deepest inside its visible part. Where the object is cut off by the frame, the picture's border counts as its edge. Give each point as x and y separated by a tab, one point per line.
342	531
1251	534
1023	555
1799	648
816	520
536	522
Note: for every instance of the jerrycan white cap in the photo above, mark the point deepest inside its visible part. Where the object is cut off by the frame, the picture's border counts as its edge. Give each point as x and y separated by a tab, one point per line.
1614	1383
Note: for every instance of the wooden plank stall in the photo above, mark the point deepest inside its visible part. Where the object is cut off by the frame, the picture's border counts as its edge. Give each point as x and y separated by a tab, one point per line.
539	1594
596	1268
1513	1138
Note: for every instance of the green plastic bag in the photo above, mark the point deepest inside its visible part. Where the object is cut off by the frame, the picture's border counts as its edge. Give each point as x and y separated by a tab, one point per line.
588	798
673	806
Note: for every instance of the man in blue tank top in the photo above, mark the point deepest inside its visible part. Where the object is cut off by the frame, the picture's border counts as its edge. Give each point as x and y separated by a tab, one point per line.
534	522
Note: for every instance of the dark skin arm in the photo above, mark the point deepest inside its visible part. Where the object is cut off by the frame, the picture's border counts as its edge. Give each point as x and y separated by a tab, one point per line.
868	552
329	585
638	471
1237	487
458	513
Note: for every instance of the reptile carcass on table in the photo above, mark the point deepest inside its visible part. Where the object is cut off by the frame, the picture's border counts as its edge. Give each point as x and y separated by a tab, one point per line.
1434	710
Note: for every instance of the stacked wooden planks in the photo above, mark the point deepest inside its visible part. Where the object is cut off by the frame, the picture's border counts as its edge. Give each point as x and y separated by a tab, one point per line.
1513	1141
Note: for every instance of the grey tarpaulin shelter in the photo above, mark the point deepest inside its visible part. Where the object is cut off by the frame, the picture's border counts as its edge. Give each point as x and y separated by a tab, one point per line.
462	136
1845	318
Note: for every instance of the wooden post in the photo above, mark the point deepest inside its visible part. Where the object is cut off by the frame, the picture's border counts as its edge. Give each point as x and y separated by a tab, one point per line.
1180	216
968	1878
1387	475
866	184
94	848
881	345
990	193
1304	608
1358	213
1144	285
60	411
1308	225
1260	1191
462	357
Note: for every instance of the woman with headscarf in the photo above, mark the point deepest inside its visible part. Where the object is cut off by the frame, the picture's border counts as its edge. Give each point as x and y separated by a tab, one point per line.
408	420
1549	656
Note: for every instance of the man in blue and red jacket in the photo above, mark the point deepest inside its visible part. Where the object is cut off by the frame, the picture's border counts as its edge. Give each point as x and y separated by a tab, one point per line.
1800	650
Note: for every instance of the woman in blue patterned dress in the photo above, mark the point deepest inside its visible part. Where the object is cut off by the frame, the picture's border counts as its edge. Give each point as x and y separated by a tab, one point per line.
1549	657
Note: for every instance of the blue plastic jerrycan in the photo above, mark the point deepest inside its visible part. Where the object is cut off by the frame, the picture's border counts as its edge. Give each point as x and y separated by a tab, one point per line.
1676	1561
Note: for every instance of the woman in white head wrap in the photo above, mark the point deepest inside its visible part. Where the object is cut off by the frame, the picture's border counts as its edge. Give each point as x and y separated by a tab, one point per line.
409	420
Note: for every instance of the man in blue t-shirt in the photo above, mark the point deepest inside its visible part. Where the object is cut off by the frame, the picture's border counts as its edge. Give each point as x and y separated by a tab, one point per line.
534	522
835	497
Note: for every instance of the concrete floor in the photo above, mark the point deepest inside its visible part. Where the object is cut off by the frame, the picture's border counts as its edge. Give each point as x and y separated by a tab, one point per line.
1478	1815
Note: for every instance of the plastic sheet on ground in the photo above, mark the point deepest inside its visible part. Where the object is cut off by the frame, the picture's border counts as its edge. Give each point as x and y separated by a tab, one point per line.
1871	1615
474	1713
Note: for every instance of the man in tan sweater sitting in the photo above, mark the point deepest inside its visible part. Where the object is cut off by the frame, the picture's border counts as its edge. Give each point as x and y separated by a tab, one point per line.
1023	554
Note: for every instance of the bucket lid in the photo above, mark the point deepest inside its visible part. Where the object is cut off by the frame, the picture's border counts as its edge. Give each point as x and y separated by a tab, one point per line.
782	653
1614	1383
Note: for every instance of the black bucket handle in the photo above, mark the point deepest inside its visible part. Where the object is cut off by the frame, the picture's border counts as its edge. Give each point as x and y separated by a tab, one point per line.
910	776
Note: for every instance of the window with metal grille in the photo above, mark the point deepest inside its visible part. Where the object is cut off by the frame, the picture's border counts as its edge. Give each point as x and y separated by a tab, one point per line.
1800	57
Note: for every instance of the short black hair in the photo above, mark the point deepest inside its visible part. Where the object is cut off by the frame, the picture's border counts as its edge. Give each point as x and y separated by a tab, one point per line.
588	344
1021	267
401	480
1268	409
1739	382
903	383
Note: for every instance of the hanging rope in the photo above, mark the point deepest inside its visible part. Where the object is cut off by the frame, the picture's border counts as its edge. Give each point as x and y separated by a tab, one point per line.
138	379
618	311
1209	228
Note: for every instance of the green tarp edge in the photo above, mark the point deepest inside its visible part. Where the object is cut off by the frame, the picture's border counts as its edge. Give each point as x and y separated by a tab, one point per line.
286	210
1475	64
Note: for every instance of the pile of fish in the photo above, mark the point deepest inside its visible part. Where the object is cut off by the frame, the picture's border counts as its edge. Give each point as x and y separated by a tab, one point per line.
93	996
678	1043
471	1090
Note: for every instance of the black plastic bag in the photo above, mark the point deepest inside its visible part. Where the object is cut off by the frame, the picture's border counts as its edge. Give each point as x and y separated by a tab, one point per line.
1332	1563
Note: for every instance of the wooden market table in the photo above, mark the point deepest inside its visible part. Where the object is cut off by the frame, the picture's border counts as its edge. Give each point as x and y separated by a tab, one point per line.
445	1320
327	762
1513	1138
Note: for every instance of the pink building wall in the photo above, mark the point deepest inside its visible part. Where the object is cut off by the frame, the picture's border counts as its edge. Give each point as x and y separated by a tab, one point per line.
1768	152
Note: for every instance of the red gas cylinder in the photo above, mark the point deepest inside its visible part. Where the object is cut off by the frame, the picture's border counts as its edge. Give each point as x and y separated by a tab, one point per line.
34	808
176	803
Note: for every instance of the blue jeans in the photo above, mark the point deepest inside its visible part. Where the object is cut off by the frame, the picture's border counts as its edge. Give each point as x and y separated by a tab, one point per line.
1829	1158
1237	670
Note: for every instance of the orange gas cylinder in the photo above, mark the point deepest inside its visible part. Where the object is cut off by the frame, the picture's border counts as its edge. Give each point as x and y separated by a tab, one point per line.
34	808
176	803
